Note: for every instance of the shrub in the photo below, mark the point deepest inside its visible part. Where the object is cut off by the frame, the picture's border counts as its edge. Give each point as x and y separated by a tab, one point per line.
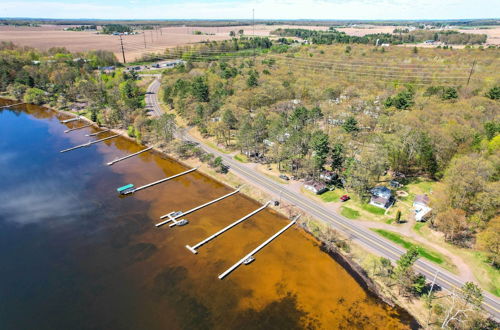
35	96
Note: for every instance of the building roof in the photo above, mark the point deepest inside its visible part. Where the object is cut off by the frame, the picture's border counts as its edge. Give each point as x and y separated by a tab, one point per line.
421	199
317	185
381	191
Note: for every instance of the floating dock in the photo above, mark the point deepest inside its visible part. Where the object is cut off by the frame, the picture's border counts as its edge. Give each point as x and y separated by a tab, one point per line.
89	143
172	218
129	156
131	191
208	239
97	133
76	128
10	105
70	120
257	249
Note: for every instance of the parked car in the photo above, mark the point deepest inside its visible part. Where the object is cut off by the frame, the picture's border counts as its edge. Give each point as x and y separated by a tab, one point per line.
284	177
345	198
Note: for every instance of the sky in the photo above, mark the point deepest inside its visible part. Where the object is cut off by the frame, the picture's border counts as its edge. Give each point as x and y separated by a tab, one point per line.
241	9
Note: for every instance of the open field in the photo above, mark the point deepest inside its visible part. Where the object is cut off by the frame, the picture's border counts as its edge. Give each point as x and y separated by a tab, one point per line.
47	36
492	32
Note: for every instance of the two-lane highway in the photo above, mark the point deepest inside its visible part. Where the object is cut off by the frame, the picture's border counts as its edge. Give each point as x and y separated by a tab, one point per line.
359	234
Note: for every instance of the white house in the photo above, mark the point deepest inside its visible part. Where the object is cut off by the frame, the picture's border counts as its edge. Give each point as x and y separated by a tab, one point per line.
316	187
421	207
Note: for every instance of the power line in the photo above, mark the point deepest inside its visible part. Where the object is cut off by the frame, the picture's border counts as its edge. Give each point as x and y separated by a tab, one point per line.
123	51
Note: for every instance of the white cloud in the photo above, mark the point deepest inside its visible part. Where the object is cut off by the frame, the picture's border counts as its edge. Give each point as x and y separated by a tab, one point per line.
264	9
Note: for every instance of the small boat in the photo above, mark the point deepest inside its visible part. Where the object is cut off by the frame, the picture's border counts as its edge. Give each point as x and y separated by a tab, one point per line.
175	214
126	189
182	222
248	260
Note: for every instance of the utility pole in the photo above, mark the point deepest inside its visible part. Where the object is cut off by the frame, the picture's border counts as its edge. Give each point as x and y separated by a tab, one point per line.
144	35
471	72
151	31
430	298
123	51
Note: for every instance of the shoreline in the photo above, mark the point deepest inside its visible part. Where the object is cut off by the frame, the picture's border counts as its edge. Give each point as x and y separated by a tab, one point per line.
347	262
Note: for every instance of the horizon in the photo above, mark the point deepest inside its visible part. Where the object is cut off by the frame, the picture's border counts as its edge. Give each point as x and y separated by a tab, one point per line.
369	10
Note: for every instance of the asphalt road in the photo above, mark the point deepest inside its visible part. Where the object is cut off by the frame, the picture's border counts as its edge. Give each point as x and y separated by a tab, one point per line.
364	237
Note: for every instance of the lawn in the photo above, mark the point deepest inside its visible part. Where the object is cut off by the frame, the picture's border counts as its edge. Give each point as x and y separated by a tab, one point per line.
349	213
331	196
241	158
425	252
373	209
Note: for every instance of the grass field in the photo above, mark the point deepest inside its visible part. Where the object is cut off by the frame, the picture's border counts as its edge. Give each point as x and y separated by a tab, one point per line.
331	196
349	213
373	209
425	252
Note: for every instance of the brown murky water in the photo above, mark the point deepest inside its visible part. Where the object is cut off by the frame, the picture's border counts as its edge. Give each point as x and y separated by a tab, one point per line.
78	256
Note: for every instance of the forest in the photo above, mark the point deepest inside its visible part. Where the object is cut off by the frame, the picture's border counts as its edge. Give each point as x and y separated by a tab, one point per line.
279	107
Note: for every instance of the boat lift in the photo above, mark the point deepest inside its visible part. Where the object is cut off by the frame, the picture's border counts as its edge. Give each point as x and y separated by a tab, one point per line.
173	216
250	257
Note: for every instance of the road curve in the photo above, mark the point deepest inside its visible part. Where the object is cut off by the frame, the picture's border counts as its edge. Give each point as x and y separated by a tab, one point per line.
363	236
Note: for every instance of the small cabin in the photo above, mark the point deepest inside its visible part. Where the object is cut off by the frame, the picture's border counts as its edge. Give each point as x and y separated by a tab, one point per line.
316	187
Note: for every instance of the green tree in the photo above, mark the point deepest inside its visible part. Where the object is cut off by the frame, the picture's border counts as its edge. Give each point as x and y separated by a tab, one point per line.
253	79
35	96
494	93
489	240
403	100
337	156
398	216
320	147
491	129
200	89
449	93
350	125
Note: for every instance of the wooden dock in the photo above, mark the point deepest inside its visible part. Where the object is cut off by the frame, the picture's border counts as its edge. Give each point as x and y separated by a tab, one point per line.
97	133
173	218
257	249
89	143
77	128
160	181
208	239
10	105
127	157
70	120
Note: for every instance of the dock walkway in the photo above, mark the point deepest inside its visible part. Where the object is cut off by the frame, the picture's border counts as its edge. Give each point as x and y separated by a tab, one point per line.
208	239
127	157
89	143
77	128
257	249
159	181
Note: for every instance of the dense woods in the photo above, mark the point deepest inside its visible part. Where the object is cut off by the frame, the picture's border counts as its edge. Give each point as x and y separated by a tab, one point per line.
362	128
400	36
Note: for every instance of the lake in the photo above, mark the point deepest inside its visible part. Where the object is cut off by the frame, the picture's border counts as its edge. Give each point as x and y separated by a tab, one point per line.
76	255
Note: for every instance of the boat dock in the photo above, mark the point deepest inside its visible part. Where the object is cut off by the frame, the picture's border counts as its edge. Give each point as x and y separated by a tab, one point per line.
126	157
89	143
172	218
70	120
97	133
257	249
208	239
131	191
76	128
10	105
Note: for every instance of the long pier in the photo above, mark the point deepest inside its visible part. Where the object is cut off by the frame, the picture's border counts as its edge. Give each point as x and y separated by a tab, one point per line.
126	157
173	218
257	249
89	143
70	120
97	133
10	105
159	181
76	128
208	239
